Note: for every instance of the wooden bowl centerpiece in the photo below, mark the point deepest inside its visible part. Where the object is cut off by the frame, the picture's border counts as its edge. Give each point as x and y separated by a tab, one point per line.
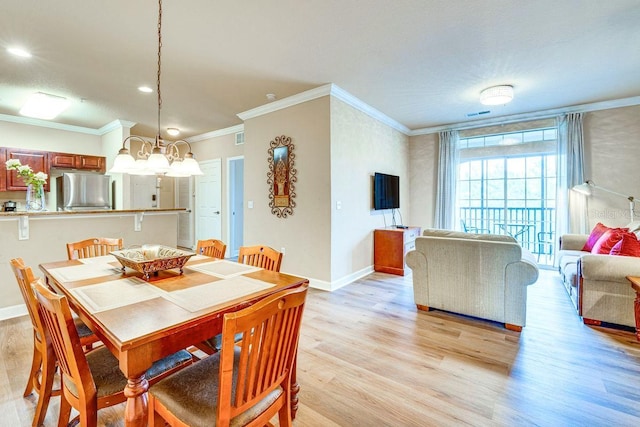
152	259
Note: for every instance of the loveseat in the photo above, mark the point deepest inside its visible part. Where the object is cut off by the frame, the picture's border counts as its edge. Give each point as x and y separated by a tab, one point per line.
597	283
479	275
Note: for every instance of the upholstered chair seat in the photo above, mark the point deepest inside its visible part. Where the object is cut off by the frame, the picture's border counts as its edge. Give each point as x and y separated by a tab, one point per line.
191	394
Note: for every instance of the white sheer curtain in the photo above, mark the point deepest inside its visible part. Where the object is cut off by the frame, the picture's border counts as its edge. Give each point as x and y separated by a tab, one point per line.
571	210
447	180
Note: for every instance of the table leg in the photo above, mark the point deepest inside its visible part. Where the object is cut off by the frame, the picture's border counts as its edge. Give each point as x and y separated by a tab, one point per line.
295	388
637	314
135	413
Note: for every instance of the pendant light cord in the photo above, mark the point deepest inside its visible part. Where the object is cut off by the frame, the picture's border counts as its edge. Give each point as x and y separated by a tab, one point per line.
159	66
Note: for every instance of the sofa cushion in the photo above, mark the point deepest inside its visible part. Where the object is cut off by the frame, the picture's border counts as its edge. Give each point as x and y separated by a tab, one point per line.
461	235
596	233
627	246
607	241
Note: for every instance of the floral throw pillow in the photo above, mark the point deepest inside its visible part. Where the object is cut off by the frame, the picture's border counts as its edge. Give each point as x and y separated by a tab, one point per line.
596	233
627	246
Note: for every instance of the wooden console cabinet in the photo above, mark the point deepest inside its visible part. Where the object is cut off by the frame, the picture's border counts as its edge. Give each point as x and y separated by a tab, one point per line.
390	245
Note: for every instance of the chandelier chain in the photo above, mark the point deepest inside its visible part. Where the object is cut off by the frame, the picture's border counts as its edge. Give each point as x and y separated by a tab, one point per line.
159	61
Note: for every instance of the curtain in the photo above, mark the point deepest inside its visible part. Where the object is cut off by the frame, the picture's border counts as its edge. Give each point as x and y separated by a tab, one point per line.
571	210
447	180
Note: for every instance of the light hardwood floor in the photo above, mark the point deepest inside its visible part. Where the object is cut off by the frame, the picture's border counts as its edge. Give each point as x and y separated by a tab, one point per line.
369	358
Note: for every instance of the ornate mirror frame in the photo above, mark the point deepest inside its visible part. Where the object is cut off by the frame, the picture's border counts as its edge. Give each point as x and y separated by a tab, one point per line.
281	176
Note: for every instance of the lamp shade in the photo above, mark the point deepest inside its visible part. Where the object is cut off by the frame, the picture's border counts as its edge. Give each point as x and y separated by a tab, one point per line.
123	163
190	166
584	188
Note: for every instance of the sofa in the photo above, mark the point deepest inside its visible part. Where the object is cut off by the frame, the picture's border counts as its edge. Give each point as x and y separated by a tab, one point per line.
479	275
597	283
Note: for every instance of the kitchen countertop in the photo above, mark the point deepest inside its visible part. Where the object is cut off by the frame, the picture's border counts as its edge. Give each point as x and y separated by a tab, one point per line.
99	211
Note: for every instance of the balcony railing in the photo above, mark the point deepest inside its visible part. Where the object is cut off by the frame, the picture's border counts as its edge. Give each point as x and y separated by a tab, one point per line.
533	228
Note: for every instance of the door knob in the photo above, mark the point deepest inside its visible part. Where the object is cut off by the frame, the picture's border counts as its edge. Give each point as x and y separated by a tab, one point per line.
217	212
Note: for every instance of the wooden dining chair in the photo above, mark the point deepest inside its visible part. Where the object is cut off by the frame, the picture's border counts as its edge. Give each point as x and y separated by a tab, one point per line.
240	386
260	256
211	247
93	381
43	363
96	246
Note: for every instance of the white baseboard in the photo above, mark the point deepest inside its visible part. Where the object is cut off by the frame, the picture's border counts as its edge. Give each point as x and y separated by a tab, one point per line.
344	281
13	311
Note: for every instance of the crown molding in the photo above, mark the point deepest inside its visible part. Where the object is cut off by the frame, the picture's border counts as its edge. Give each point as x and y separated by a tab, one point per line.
47	124
116	124
545	114
216	133
325	90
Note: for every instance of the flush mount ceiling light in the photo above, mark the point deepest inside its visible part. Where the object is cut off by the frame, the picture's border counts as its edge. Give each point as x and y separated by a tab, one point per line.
162	157
44	106
496	95
173	131
18	51
145	89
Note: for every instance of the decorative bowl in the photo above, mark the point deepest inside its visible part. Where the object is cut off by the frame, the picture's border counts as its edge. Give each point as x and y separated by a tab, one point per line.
152	259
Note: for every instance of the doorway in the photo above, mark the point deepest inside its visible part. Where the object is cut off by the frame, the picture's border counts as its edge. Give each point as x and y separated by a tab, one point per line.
235	195
184	196
208	201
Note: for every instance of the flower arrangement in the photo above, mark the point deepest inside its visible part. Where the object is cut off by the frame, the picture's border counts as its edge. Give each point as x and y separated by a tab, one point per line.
35	179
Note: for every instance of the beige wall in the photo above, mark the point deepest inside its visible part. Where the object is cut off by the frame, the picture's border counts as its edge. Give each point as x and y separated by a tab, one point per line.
223	148
48	236
360	146
612	153
423	169
305	235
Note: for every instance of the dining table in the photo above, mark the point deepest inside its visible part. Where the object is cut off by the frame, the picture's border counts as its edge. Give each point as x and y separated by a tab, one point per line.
141	321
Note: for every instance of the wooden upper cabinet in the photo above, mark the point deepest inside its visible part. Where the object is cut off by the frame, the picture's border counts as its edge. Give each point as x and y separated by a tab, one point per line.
38	160
78	161
3	169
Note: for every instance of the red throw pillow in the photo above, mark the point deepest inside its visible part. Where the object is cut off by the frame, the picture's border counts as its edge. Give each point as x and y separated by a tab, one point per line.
596	233
627	246
607	241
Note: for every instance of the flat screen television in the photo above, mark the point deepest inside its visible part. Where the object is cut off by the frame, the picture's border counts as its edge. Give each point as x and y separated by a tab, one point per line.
386	191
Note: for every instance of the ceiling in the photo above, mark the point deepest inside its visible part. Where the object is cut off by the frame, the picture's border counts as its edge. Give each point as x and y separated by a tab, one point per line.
423	63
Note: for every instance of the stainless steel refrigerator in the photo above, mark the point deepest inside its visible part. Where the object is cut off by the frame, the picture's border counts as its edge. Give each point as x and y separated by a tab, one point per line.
83	191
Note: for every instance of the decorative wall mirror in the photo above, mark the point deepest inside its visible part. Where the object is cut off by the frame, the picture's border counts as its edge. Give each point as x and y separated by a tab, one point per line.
281	177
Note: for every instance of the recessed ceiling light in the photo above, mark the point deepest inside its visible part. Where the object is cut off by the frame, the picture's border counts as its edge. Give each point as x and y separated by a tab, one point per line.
271	97
145	89
497	95
44	106
18	51
173	131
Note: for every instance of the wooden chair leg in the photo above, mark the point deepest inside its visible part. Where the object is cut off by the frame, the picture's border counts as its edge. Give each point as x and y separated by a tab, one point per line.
45	390
65	411
36	364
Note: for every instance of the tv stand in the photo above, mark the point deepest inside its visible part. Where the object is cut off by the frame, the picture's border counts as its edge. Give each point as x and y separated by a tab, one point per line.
390	245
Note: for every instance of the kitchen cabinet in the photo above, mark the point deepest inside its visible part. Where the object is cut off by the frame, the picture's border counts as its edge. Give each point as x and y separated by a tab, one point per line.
77	161
38	160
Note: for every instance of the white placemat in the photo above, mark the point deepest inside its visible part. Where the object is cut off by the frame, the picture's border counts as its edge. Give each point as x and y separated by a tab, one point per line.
83	271
115	293
224	269
104	259
198	257
200	297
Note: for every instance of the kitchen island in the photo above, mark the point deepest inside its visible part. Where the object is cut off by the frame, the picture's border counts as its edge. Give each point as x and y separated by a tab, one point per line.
40	237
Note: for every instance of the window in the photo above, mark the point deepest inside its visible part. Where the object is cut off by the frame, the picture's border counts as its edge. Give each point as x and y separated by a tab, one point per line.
507	185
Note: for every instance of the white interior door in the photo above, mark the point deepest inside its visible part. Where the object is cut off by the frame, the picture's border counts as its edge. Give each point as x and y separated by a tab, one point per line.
184	196
209	201
235	191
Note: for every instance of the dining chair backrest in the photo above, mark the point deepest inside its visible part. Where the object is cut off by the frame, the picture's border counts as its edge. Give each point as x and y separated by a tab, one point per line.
93	247
211	247
260	256
24	277
61	330
270	332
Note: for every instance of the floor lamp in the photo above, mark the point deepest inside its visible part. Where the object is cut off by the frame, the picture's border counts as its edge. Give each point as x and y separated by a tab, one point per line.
588	185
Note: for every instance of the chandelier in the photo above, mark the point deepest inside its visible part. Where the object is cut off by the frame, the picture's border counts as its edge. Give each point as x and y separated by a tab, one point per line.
161	157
